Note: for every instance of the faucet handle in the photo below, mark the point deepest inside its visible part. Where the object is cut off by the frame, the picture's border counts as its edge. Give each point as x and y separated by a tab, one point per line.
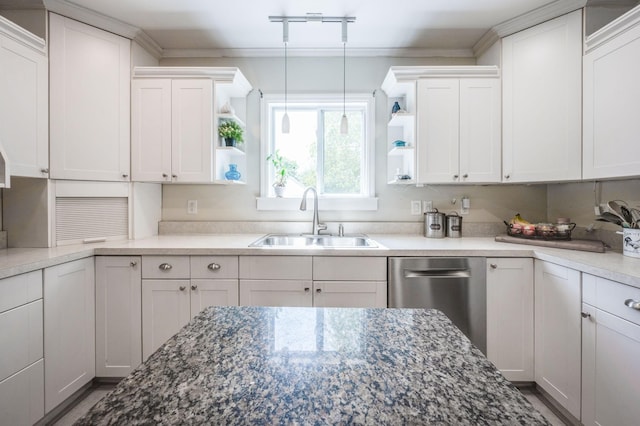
322	227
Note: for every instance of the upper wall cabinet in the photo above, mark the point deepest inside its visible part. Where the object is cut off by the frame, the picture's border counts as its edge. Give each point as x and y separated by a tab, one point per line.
175	116
90	102
611	94
542	95
457	123
24	94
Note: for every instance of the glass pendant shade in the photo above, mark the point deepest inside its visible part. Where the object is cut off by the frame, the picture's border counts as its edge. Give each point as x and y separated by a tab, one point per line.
286	126
344	125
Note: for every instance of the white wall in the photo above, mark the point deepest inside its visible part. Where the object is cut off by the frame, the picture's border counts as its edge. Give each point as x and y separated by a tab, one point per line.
364	75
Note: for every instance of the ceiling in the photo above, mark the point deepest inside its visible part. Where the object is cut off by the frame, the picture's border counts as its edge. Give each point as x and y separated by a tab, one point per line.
380	24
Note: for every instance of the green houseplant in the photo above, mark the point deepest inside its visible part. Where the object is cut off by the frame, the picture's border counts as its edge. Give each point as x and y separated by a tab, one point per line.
281	171
231	132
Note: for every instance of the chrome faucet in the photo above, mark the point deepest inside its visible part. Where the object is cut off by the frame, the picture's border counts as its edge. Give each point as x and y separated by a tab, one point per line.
317	227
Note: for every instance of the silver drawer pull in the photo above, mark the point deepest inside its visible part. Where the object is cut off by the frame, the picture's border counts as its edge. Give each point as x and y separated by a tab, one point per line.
306	289
493	266
183	288
585	314
164	266
194	287
632	304
318	290
133	263
213	266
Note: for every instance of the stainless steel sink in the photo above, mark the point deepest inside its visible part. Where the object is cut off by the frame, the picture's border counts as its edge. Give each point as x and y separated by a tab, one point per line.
314	241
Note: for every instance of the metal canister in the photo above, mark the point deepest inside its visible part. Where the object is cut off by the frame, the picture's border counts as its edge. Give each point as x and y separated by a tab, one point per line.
454	225
434	224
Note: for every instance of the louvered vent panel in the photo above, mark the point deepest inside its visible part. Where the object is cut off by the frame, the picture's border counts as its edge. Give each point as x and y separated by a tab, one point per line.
79	218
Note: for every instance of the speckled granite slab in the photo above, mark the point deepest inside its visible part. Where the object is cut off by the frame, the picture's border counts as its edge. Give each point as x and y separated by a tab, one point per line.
250	365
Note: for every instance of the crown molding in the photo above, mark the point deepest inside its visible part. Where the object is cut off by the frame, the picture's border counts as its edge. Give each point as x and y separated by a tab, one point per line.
318	52
21	5
613	29
22	36
526	20
239	85
104	22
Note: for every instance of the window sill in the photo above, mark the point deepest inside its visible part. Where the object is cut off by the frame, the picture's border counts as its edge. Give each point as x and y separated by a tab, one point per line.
324	204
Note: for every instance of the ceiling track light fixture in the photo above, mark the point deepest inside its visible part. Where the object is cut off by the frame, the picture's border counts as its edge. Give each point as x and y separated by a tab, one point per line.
316	17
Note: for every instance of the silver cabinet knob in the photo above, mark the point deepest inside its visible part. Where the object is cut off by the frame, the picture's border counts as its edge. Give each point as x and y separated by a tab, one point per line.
507	176
318	290
213	266
455	176
44	170
174	176
183	288
585	315
306	289
633	304
133	263
124	175
194	287
493	266
465	175
164	175
164	266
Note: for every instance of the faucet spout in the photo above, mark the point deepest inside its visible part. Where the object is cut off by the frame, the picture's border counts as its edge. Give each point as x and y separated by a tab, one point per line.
317	226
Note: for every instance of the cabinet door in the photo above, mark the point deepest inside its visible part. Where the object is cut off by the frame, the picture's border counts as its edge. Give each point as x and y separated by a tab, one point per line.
438	130
558	333
275	293
165	310
610	370
22	396
350	294
118	315
151	130
69	329
542	101
510	317
90	80
480	130
205	293
611	93
192	130
24	108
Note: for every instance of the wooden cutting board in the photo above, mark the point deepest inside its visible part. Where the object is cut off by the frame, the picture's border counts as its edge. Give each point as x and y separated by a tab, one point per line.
583	245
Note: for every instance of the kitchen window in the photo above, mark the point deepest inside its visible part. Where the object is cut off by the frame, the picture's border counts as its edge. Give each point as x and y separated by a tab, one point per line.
316	154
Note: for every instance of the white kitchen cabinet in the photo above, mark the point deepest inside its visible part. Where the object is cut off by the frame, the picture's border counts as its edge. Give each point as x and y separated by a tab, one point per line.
177	288
118	315
90	79
610	353
510	317
174	123
21	349
24	101
542	101
558	333
611	93
276	292
69	329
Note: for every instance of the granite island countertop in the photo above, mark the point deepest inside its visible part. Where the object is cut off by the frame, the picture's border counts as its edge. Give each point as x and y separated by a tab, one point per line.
257	365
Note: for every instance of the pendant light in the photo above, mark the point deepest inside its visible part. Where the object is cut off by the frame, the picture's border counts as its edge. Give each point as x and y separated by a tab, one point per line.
286	125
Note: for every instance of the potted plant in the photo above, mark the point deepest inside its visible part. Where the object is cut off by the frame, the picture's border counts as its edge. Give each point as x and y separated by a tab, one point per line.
231	132
281	171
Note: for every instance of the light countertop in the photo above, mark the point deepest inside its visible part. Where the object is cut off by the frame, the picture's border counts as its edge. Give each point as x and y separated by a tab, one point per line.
610	265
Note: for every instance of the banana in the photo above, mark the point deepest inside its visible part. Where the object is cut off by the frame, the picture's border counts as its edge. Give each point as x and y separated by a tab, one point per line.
517	219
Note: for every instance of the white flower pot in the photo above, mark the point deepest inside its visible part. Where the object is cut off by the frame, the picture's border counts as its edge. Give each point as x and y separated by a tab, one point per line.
279	190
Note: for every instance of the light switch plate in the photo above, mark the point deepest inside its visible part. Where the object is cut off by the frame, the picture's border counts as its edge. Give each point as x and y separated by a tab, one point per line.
416	207
192	207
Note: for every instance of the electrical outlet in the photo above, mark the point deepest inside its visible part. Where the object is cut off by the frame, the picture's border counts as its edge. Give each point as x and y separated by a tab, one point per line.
416	206
427	206
192	207
465	205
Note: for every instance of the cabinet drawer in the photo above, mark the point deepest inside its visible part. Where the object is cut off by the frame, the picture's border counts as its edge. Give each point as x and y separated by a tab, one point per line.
20	289
214	267
165	267
610	296
275	267
20	338
22	396
350	268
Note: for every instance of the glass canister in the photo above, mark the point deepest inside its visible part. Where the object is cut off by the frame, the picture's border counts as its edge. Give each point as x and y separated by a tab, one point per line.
434	224
454	225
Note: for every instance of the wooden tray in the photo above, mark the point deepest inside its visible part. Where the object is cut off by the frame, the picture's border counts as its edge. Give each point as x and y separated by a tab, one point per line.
583	245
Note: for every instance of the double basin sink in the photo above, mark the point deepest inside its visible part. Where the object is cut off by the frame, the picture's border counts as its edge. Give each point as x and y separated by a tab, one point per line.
314	241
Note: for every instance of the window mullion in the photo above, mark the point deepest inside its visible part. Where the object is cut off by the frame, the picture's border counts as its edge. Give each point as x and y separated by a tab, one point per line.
320	152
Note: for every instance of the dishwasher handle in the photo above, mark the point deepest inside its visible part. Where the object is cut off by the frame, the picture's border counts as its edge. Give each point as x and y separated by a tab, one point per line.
437	273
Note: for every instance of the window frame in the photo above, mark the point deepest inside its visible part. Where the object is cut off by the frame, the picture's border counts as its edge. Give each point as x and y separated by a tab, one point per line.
366	201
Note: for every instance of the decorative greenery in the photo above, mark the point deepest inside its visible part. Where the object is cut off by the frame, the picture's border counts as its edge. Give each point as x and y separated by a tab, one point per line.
230	130
281	168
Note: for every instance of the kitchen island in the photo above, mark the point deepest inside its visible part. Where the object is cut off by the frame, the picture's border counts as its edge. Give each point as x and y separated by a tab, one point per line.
259	365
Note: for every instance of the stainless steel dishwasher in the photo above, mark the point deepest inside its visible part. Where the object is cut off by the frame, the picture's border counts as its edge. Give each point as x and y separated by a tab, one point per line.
456	286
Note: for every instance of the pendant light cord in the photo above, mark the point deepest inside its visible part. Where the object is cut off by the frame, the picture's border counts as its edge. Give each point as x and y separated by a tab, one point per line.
285	77
344	78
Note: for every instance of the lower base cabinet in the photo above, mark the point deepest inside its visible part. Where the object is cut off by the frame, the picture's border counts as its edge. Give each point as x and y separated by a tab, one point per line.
69	329
22	396
510	317
558	334
610	353
118	315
